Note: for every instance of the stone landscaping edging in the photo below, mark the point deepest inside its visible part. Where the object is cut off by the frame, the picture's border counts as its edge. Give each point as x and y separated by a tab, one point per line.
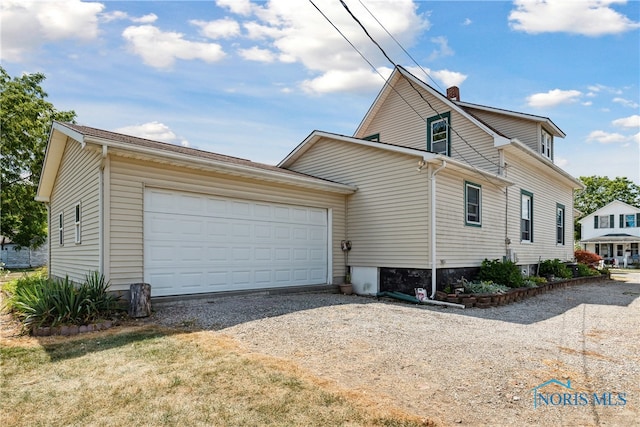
70	330
513	295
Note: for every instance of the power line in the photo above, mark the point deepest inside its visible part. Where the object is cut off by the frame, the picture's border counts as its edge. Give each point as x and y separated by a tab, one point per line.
368	62
411	84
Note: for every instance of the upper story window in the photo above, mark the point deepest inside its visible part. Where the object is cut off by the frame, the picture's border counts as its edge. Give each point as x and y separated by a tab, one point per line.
603	221
629	220
546	144
375	137
439	134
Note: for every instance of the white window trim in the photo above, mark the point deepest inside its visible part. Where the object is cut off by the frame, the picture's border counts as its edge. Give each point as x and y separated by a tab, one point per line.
546	144
468	185
77	212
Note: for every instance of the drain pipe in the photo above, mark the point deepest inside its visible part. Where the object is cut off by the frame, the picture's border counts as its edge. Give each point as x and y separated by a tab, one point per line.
433	228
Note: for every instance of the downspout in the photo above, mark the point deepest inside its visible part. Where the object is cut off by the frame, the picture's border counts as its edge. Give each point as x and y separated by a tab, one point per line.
101	247
433	228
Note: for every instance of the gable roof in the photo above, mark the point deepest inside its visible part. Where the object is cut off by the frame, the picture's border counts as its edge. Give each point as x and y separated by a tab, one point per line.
61	132
424	155
400	72
621	205
463	108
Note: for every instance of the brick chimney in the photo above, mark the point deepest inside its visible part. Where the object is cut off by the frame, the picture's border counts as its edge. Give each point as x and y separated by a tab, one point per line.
453	93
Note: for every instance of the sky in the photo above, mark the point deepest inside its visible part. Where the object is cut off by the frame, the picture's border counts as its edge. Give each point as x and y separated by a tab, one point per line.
253	79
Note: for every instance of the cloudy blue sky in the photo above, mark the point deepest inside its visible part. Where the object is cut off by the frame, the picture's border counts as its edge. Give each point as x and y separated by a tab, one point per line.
253	79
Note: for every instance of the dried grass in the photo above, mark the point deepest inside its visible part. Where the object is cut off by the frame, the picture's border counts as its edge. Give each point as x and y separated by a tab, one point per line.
152	376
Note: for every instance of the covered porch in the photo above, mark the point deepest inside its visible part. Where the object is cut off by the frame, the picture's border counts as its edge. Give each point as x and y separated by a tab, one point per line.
617	249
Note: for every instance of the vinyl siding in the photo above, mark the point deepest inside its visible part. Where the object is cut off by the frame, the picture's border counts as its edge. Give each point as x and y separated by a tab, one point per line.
547	193
526	131
128	178
398	123
461	245
78	180
388	216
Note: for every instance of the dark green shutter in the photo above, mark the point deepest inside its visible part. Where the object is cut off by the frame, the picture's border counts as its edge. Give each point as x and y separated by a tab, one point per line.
595	221
638	220
621	220
611	219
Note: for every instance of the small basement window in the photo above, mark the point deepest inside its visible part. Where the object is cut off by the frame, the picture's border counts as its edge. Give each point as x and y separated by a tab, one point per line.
61	229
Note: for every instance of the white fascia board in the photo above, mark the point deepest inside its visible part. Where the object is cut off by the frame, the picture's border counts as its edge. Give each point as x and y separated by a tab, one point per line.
248	171
522	147
58	136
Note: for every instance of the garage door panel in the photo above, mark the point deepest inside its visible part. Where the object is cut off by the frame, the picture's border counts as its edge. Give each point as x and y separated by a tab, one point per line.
198	243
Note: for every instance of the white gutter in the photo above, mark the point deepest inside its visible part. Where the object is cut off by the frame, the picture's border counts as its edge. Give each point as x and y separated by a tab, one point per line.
433	228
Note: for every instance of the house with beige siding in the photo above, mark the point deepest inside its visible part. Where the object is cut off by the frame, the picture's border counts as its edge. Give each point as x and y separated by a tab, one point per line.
424	190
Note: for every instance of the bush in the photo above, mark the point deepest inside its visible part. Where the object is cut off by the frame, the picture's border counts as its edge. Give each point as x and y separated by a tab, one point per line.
504	273
585	270
39	301
588	258
555	268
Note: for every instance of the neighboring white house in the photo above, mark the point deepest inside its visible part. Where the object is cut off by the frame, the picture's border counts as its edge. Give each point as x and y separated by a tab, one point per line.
613	232
423	192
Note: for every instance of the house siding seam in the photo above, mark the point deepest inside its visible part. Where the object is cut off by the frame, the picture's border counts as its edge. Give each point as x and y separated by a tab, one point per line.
129	177
77	181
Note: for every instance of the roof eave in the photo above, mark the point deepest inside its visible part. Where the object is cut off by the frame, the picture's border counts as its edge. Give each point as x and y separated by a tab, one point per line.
515	143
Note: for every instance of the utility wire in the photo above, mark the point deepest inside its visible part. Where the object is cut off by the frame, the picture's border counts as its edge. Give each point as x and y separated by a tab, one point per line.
486	174
368	62
411	83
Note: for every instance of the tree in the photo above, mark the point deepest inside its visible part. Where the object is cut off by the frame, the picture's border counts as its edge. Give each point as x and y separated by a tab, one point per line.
25	120
600	191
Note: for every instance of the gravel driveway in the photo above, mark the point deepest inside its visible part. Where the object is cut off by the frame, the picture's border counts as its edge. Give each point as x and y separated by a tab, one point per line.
456	367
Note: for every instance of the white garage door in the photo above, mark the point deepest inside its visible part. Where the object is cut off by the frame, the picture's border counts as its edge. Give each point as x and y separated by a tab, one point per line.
197	243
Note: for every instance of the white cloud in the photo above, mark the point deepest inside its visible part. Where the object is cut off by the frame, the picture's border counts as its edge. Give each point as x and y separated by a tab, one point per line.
301	34
257	54
552	98
239	7
449	78
26	25
119	15
625	102
218	29
358	80
628	122
467	21
160	49
586	17
155	131
146	19
443	48
606	137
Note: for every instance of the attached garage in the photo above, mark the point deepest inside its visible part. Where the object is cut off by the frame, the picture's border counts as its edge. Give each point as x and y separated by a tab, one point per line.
186	221
195	243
